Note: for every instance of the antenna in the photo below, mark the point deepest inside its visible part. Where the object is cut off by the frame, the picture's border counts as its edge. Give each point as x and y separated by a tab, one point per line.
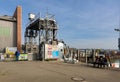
47	13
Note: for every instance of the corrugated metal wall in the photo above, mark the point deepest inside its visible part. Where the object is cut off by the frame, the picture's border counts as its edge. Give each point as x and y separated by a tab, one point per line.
8	34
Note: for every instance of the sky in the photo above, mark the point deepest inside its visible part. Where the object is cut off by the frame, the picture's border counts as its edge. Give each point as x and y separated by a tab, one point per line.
81	23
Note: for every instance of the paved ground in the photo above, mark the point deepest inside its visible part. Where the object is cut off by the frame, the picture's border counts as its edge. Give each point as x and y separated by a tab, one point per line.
36	71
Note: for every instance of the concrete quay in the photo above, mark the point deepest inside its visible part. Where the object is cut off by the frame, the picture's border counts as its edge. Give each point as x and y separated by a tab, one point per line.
55	71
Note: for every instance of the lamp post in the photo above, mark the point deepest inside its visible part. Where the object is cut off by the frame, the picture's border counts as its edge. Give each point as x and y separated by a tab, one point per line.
118	30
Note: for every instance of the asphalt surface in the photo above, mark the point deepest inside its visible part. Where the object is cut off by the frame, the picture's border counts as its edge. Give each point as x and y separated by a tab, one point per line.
36	71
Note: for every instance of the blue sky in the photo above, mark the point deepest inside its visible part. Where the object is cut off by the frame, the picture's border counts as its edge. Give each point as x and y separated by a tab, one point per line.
81	23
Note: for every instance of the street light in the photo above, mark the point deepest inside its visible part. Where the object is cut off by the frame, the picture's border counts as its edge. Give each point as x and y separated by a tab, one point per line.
118	30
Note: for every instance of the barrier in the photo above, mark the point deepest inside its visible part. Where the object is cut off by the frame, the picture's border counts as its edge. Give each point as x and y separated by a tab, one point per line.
115	65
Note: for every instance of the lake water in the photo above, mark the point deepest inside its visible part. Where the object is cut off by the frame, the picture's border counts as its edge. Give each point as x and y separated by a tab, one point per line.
116	61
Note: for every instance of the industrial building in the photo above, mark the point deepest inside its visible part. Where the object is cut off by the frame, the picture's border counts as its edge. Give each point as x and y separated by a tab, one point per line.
46	31
10	30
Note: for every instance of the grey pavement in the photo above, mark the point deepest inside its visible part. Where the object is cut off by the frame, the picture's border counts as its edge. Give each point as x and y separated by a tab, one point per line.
36	71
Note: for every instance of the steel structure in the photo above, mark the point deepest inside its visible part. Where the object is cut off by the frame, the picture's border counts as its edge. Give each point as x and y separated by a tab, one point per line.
41	30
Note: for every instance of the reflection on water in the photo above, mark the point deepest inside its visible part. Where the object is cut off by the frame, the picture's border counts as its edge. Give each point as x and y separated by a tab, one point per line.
115	60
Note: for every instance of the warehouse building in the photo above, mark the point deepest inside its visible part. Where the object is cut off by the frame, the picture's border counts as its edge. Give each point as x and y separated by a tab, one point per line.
10	30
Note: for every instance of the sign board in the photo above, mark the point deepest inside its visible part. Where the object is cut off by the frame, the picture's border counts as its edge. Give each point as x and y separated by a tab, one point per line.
2	56
51	51
23	57
11	50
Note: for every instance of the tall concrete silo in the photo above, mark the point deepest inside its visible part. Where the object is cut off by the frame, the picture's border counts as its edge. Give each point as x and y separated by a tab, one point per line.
10	30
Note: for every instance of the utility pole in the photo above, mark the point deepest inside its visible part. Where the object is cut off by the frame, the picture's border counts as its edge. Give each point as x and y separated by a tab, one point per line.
118	30
86	53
